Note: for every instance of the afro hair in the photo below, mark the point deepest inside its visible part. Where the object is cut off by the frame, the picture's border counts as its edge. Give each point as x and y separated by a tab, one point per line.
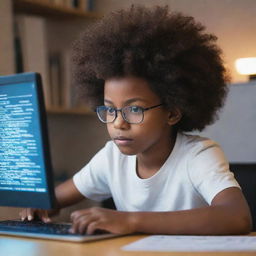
171	51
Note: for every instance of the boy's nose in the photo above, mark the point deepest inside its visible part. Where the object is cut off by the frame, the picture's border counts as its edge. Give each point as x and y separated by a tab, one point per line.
120	123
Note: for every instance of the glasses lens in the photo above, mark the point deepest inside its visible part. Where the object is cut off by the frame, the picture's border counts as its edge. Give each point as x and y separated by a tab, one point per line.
133	114
106	114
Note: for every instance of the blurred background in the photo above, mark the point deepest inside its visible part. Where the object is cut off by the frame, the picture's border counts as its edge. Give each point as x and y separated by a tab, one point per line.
36	35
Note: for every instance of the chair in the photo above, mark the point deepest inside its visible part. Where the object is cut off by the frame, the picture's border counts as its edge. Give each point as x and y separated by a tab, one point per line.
245	174
109	204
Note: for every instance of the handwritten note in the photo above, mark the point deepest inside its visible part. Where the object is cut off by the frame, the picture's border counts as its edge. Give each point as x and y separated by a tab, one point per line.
162	243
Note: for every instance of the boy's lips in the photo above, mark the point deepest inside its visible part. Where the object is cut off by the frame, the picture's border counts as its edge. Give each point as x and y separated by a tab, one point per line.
122	141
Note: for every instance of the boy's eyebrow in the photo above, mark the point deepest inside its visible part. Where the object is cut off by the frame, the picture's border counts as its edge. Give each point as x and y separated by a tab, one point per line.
126	102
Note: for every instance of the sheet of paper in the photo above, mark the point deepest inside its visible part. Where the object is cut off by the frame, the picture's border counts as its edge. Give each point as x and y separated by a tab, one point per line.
193	243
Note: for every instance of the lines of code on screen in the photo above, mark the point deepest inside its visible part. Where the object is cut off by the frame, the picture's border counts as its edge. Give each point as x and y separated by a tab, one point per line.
21	157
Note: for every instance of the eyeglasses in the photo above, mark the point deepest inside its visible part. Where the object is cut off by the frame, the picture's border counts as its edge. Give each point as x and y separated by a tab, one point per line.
131	114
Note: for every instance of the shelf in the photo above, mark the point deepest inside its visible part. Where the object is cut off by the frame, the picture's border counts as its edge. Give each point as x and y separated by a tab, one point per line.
54	11
70	111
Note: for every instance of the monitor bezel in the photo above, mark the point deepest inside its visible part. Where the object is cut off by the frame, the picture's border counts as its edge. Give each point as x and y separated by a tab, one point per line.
43	200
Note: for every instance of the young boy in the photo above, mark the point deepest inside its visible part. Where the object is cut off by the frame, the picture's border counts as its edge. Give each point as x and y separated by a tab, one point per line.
152	75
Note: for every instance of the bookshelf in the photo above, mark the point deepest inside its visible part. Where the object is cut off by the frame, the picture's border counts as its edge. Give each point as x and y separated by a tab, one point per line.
52	26
69	111
52	9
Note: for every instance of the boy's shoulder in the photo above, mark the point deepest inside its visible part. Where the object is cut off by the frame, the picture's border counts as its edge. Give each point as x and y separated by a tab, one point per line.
195	143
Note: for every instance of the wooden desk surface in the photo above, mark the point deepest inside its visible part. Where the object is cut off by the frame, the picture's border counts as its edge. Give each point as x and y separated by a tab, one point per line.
14	246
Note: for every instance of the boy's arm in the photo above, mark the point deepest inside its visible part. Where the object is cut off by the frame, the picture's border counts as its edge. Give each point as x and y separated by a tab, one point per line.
67	194
228	214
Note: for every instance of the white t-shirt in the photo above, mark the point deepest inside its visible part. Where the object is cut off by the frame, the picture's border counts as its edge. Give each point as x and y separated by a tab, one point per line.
194	173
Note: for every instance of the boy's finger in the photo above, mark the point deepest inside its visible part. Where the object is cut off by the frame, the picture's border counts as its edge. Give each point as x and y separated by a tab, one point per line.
43	215
30	217
23	215
30	214
46	218
92	227
79	224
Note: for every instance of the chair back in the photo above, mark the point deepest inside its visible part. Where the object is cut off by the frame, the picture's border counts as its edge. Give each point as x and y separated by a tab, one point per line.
245	174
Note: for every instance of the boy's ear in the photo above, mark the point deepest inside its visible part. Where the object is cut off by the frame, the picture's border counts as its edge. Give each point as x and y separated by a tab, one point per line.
174	116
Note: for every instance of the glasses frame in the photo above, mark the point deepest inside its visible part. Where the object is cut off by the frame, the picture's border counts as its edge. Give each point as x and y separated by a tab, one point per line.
97	110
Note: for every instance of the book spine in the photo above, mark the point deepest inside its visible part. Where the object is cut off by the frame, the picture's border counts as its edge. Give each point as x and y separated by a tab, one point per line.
18	50
91	5
55	79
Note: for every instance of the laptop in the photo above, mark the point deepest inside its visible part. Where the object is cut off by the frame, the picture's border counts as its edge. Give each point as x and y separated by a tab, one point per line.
26	176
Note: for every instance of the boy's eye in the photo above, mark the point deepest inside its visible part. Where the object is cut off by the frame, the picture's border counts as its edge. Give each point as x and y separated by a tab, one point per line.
110	110
135	109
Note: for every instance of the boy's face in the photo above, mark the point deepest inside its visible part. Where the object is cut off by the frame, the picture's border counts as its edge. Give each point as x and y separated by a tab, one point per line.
133	139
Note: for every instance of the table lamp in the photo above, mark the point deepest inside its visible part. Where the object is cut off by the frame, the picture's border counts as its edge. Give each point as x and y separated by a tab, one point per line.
246	66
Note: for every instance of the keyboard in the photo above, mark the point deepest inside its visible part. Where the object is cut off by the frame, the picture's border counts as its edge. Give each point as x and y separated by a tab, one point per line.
39	229
35	226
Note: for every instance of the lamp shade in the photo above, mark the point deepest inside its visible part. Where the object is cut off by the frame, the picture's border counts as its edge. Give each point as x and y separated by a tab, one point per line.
246	66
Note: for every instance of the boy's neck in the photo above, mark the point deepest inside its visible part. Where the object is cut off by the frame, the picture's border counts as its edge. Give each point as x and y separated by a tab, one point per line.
149	163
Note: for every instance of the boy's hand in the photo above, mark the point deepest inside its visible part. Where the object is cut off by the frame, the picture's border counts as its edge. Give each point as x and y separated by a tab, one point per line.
89	220
31	214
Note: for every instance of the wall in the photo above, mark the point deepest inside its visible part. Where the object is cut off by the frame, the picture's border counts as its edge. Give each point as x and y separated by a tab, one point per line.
235	129
233	21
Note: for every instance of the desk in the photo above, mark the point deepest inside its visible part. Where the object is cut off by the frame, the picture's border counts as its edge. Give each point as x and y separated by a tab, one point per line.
11	246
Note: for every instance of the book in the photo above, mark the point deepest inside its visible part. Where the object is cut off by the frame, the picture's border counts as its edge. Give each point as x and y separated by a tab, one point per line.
67	92
91	5
18	50
55	79
83	5
86	5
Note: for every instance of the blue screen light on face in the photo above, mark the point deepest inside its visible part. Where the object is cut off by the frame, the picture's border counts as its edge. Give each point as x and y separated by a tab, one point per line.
22	165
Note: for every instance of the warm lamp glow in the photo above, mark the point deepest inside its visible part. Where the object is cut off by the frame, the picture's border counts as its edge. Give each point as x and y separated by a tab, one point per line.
246	66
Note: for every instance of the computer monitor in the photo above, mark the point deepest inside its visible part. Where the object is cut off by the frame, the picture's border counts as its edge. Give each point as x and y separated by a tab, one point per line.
26	178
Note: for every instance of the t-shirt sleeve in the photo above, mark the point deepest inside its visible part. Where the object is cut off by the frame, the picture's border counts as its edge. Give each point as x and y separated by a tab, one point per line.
209	171
93	180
